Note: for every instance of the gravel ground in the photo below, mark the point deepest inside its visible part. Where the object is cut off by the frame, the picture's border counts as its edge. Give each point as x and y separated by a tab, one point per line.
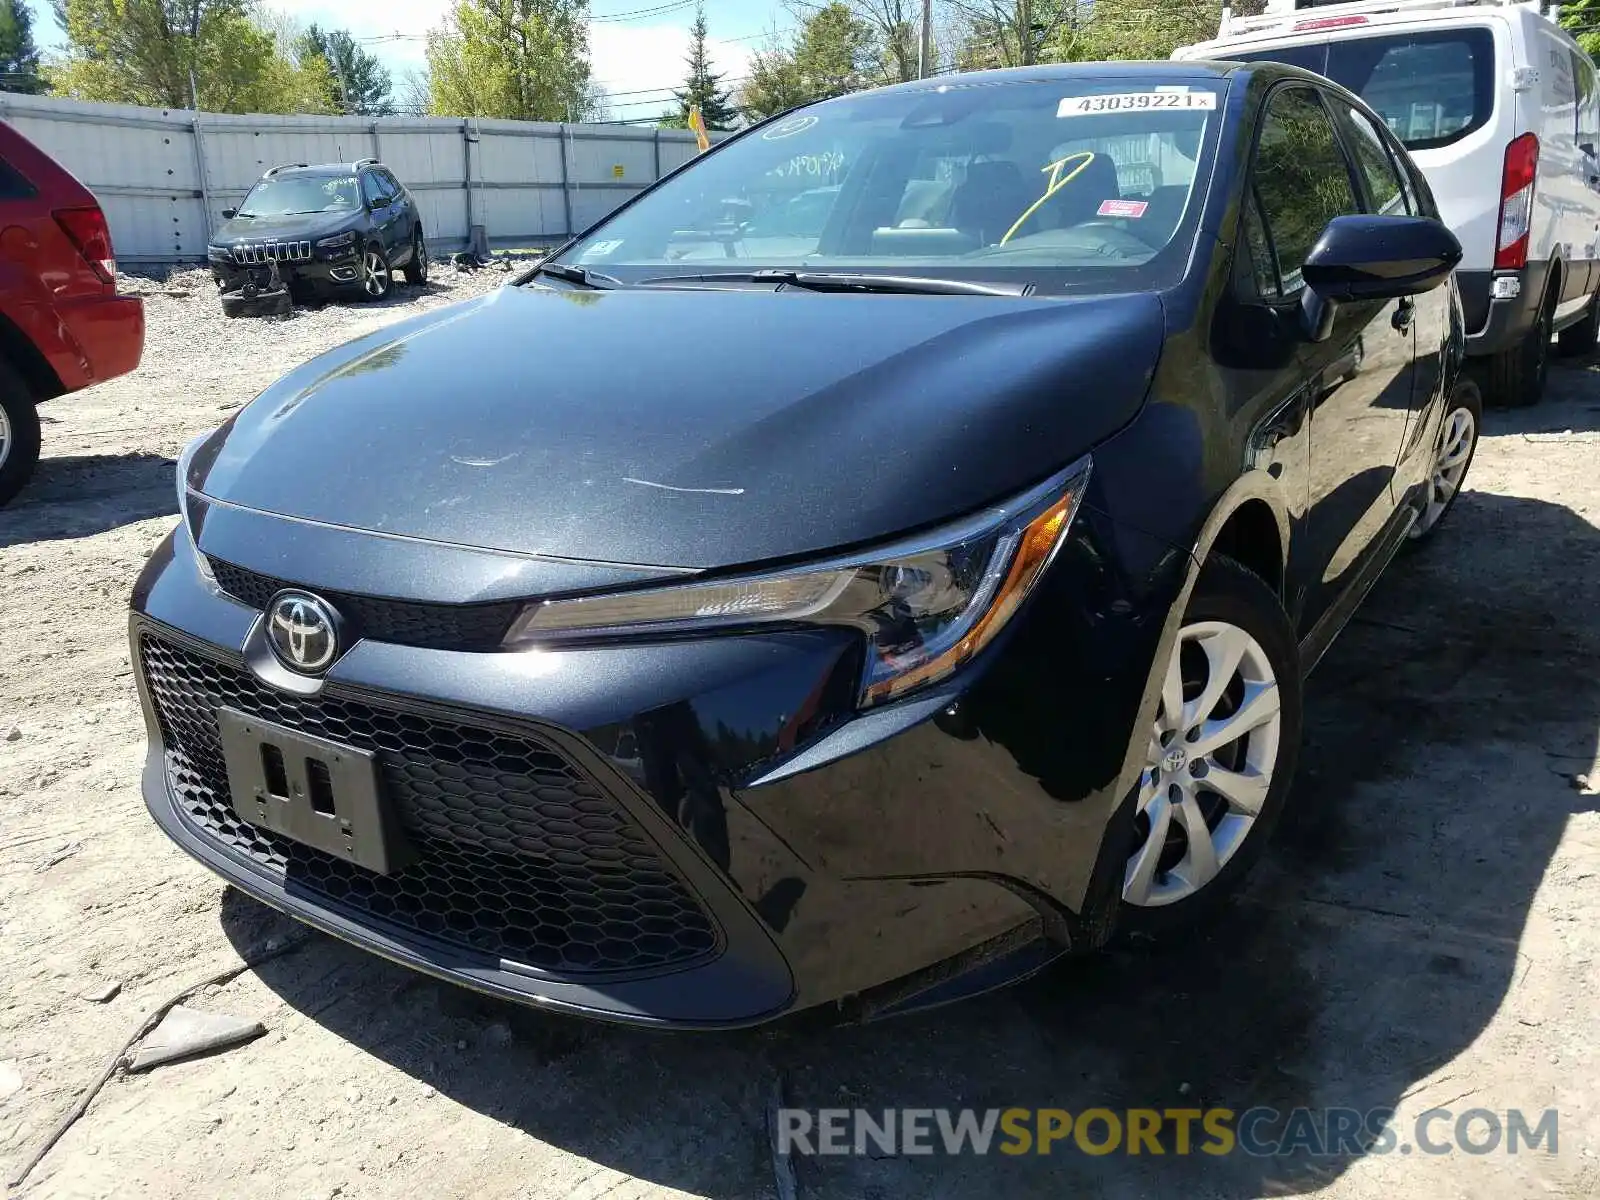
1426	935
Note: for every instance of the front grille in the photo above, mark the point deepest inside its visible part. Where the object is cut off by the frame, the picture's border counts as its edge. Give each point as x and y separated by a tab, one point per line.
402	622
519	853
266	252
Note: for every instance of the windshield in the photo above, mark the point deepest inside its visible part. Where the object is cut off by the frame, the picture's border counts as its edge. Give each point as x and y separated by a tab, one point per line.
301	194
1078	183
1431	88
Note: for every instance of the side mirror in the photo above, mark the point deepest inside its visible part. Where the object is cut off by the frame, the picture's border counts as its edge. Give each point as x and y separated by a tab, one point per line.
229	213
1373	258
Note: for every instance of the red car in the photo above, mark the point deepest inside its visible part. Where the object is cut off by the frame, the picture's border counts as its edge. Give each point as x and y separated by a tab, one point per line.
62	324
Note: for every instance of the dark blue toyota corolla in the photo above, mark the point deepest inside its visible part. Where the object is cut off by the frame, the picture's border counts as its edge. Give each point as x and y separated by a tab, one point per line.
879	559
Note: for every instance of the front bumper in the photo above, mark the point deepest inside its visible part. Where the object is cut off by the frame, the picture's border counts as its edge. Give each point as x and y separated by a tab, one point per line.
1498	323
833	857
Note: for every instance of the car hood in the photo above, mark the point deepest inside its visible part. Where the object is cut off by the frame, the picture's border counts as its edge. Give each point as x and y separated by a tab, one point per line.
281	229
686	428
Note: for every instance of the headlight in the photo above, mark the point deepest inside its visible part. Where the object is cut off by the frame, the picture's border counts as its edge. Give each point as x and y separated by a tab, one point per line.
333	243
202	563
218	252
925	606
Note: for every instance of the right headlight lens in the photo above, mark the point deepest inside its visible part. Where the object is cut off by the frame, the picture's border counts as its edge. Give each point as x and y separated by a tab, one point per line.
333	243
925	607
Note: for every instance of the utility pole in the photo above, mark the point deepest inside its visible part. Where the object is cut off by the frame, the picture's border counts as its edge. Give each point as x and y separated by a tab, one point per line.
925	55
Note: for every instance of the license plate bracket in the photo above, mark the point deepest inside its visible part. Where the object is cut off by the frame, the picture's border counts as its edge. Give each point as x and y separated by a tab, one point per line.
321	793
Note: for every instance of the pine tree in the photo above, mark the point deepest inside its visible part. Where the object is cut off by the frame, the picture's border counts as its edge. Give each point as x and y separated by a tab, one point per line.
703	88
360	83
19	57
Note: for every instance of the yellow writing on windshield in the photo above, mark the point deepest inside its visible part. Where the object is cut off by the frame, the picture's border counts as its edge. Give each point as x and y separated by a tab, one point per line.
1057	182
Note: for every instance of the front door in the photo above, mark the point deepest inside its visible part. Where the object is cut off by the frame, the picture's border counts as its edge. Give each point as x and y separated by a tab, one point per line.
1361	378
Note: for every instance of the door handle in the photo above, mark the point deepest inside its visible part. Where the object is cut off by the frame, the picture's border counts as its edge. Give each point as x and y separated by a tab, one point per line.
1403	315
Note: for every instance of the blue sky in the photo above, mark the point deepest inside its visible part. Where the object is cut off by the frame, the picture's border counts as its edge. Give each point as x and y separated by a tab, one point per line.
642	51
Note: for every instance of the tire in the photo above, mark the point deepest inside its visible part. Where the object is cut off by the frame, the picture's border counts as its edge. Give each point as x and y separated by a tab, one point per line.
1517	376
19	433
416	271
1583	337
1458	431
1230	608
377	276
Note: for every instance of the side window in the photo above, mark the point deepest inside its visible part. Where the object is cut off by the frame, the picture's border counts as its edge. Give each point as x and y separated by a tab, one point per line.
390	183
1384	187
1258	257
1301	177
1588	102
371	190
12	185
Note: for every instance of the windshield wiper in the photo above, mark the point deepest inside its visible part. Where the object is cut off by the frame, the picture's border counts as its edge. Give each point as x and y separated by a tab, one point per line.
840	281
579	275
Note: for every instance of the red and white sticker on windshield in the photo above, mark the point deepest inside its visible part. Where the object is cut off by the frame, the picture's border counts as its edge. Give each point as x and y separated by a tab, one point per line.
1122	208
1120	102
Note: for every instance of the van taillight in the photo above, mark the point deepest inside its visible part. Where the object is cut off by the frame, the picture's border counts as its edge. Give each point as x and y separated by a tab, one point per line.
1516	203
92	236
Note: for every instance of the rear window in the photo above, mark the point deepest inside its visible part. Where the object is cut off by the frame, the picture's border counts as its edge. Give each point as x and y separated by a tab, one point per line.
1431	88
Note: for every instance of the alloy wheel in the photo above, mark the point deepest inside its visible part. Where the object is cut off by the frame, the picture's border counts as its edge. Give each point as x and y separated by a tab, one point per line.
1209	765
1456	442
374	274
421	256
6	439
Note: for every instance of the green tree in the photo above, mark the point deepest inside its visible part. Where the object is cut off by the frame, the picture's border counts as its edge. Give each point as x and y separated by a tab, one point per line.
174	53
1138	29
358	82
702	88
19	57
895	33
832	53
1580	18
525	60
1020	33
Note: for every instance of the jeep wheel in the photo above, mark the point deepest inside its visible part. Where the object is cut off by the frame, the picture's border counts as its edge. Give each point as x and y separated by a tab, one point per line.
417	269
19	433
375	274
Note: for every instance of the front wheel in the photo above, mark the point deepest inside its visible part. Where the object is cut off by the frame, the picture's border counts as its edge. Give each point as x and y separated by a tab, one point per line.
1220	757
1458	441
375	274
19	433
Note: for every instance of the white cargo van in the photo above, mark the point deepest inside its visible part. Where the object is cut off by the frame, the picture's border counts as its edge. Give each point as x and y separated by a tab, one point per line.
1499	107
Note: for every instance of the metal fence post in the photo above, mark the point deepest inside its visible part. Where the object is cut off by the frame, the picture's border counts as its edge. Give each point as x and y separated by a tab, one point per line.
658	152
566	182
200	163
377	143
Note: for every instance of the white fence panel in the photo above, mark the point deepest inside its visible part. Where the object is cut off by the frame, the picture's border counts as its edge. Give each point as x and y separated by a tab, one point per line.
164	176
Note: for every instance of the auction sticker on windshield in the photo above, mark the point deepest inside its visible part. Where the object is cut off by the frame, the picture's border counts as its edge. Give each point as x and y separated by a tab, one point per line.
1117	102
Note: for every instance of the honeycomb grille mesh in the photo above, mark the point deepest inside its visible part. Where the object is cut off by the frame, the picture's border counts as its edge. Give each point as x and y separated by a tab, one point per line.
519	854
402	622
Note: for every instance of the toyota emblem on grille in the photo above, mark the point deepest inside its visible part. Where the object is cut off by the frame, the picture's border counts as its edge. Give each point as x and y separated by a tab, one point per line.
303	631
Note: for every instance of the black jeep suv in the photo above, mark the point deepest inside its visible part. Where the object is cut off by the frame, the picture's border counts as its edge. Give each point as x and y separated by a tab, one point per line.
330	227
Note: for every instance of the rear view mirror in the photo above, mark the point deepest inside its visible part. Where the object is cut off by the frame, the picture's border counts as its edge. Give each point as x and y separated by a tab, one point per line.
1374	258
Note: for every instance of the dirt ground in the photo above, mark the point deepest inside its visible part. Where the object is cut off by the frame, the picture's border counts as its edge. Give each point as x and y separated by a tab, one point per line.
1426	935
